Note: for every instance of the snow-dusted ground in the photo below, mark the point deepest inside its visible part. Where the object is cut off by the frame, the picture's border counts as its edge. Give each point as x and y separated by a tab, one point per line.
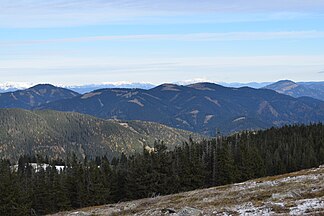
299	193
38	167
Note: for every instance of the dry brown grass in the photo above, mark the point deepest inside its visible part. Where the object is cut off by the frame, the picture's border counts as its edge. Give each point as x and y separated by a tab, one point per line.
276	193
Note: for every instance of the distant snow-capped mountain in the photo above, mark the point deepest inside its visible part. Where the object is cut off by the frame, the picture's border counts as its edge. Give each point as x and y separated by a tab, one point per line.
85	88
250	84
13	86
91	87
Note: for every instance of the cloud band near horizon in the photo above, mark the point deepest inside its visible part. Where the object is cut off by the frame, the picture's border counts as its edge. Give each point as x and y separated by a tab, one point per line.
223	36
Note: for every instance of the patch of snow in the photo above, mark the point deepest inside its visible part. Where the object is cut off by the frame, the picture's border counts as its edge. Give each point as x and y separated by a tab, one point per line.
124	124
152	96
194	112
239	119
182	121
170	87
208	118
101	104
186	211
245	185
38	167
136	101
300	178
14	97
281	196
79	213
307	204
213	101
282	205
250	209
91	94
130	94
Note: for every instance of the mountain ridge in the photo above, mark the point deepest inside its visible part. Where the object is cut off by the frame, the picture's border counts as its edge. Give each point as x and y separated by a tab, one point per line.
204	107
297	90
201	107
34	96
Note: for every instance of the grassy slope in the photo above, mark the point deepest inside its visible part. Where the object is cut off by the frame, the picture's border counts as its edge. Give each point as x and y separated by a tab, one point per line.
298	193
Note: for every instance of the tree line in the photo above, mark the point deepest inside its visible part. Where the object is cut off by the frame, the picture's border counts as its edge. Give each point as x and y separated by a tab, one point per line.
160	171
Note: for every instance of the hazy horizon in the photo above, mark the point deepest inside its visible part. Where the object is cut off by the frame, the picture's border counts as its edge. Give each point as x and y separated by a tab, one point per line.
8	86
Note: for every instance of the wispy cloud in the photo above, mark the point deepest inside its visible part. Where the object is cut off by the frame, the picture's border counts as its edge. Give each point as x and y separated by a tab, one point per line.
147	64
39	13
166	5
225	36
97	69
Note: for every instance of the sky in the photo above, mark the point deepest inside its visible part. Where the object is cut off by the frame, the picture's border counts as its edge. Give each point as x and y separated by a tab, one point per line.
76	42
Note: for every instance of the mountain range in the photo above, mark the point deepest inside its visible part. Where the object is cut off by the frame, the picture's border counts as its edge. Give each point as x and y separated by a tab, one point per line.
205	108
81	89
201	107
57	134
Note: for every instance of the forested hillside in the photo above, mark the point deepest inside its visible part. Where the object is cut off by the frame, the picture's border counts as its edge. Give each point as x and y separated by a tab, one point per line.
57	134
193	165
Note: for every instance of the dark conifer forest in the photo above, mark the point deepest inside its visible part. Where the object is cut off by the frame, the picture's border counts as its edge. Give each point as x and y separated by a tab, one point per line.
222	160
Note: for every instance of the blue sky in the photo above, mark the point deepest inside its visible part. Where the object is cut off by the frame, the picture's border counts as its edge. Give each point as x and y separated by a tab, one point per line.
81	42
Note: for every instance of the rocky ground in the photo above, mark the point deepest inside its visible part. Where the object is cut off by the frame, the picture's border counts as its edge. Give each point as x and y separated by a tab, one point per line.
299	193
